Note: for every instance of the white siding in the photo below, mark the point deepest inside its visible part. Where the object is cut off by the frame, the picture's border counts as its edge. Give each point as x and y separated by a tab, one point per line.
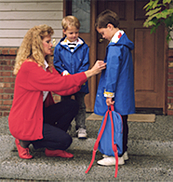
18	16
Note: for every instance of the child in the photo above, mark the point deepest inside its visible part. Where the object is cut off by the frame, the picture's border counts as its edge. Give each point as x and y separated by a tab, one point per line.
71	56
116	84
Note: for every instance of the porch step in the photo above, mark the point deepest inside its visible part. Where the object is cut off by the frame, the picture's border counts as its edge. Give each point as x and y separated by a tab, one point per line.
131	117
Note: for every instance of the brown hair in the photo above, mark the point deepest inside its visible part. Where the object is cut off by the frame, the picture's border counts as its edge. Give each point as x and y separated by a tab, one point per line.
32	47
106	17
70	21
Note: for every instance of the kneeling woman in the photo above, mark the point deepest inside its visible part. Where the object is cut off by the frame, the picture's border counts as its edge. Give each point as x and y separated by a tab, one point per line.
34	117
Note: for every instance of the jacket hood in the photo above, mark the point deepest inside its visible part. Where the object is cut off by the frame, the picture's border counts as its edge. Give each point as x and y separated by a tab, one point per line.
123	40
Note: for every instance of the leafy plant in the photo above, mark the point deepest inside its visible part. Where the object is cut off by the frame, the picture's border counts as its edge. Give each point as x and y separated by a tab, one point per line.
158	12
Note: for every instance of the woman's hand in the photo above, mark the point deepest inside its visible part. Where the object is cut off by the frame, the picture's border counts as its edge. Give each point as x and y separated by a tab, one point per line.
97	68
109	101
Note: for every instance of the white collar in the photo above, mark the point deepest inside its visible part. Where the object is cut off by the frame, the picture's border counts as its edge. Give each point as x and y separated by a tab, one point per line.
46	64
66	41
75	42
117	36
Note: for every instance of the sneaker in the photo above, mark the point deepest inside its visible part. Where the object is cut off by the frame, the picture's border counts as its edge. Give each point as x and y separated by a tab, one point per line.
125	156
110	161
82	134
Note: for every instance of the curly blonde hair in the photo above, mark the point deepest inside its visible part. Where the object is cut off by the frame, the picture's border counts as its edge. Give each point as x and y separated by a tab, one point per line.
32	47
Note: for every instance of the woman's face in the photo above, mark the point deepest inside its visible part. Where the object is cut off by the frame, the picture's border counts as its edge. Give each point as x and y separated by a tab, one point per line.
47	45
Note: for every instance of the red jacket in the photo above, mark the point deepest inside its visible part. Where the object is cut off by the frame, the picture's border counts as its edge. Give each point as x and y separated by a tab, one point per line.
26	115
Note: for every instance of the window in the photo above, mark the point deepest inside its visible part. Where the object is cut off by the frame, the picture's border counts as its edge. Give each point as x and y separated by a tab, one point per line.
81	10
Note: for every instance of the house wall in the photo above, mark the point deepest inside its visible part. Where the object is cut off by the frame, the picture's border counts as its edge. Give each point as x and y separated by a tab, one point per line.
18	17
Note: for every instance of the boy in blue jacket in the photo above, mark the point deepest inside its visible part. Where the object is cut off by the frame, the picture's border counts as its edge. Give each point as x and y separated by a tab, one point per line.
116	84
71	55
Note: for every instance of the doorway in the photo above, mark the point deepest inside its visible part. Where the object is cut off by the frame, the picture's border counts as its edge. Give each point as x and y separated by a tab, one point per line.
148	53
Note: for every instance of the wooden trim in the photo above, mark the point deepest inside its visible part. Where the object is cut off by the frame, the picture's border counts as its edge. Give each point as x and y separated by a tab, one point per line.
93	41
67	7
166	49
64	8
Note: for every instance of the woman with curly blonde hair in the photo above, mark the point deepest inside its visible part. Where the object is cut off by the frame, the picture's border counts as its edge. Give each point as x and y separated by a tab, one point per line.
34	117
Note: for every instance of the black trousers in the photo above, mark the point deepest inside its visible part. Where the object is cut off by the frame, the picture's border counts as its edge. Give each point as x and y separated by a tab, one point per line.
125	133
57	119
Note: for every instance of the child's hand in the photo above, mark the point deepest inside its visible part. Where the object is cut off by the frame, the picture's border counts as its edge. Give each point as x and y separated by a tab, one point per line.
65	73
109	101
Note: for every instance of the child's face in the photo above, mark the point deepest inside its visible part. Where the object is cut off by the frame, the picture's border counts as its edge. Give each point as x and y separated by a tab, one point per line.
106	33
72	33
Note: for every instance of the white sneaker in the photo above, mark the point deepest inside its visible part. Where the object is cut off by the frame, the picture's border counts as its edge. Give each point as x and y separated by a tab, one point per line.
110	161
82	134
125	156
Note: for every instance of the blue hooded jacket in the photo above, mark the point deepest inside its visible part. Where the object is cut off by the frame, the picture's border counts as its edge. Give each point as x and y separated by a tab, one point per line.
117	80
74	62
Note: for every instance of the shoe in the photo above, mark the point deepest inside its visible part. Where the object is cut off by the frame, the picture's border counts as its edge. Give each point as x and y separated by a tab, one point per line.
58	153
110	161
125	156
82	134
23	152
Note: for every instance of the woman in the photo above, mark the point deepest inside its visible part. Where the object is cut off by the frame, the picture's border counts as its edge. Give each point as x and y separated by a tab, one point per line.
34	117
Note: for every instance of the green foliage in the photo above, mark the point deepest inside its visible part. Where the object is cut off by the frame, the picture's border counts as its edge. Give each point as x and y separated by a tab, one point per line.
158	12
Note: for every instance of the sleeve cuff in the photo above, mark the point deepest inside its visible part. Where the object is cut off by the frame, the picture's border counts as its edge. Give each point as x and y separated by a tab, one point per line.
108	94
65	72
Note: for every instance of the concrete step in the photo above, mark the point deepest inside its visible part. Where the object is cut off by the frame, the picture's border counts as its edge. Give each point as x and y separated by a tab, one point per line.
141	165
138	168
150	149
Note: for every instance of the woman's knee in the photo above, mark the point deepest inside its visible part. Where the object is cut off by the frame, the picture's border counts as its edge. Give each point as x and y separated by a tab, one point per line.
66	141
